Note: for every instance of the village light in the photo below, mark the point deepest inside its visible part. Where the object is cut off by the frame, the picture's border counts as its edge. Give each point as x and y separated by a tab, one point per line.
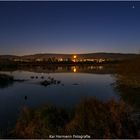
74	56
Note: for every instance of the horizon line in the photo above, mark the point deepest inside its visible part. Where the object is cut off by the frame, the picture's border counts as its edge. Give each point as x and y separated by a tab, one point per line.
69	53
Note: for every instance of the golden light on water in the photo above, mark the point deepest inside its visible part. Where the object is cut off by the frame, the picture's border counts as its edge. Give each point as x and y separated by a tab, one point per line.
74	69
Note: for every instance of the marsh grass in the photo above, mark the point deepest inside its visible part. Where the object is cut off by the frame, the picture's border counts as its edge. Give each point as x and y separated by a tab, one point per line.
128	81
98	119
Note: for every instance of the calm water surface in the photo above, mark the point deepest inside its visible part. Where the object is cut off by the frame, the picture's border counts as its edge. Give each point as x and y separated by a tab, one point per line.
73	87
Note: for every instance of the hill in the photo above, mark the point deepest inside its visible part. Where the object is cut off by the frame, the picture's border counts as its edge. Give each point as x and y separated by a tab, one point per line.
115	56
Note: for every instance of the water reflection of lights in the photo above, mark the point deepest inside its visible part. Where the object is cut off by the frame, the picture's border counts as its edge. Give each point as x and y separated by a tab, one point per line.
74	70
100	67
95	67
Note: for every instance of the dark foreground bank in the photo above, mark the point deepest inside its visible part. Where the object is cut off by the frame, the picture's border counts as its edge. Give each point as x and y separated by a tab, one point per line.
91	117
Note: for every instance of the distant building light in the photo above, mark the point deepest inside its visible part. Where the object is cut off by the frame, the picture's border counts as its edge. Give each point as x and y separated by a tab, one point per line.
74	60
60	59
74	56
39	59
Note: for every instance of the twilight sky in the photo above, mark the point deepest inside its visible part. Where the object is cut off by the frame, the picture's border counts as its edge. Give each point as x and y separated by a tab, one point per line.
69	27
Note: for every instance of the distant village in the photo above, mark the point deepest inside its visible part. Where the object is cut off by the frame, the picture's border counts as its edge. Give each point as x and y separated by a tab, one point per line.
95	58
74	58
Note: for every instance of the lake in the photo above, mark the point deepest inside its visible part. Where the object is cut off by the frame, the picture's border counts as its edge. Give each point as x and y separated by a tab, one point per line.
75	84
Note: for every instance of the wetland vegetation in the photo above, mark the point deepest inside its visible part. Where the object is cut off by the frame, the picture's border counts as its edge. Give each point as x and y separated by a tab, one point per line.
97	118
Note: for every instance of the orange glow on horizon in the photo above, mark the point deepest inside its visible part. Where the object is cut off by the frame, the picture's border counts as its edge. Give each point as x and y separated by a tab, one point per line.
74	56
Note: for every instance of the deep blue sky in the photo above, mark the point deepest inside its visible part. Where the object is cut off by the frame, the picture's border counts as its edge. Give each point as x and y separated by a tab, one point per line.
69	27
